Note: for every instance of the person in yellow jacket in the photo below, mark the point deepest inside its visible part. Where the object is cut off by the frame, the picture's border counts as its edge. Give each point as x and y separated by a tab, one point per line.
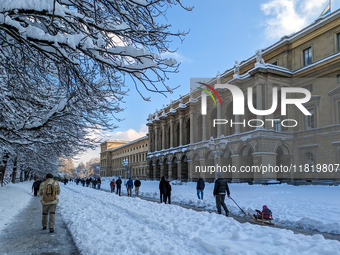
49	190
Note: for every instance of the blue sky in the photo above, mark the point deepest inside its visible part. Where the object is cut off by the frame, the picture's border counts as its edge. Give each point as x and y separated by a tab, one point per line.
221	31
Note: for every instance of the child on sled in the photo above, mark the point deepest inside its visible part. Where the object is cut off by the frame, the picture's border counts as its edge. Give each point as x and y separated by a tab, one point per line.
265	212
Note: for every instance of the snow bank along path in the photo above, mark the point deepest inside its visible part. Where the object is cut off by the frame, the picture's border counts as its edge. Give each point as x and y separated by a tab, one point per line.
298	206
103	223
13	198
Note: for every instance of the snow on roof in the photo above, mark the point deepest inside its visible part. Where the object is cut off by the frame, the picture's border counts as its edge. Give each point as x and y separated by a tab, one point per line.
129	143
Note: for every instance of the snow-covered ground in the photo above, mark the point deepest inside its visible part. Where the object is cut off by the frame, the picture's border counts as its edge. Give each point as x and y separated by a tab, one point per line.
308	207
13	198
104	223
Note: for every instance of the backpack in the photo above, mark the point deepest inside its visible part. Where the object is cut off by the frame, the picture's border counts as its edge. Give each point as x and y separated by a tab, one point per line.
49	194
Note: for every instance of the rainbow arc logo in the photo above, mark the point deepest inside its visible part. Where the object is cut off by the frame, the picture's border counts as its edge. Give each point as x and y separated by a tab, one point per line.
208	92
204	97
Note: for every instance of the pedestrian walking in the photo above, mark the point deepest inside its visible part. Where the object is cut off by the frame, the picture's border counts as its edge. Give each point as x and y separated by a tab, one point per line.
200	187
49	190
220	190
137	185
94	183
99	182
119	185
168	193
113	185
129	187
35	187
162	189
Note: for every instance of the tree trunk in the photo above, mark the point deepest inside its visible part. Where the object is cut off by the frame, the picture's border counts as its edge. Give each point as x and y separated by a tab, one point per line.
14	174
26	175
3	166
21	176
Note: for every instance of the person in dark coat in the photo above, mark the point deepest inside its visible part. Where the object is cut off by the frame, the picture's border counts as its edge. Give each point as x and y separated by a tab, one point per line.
119	185
129	187
137	185
220	190
168	192
99	182
200	187
162	189
35	187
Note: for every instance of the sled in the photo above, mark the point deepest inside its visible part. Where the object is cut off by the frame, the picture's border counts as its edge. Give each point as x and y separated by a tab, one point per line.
262	218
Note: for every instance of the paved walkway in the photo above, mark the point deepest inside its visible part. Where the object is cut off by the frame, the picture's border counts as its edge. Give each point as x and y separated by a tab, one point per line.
24	234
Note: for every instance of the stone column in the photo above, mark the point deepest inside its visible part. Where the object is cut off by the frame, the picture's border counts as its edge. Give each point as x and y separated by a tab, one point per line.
219	116
171	133
179	170
265	159
181	130
237	125
192	135
161	168
156	138
163	134
259	103
236	161
268	105
204	127
170	170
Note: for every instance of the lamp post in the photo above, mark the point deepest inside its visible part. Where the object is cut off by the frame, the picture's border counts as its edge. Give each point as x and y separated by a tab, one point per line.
125	164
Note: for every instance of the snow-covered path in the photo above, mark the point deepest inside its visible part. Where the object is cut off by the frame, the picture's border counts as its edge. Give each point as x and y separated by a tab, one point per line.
13	199
103	223
297	206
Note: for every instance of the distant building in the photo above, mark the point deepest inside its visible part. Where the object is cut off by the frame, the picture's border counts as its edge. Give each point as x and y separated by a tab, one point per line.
183	141
113	152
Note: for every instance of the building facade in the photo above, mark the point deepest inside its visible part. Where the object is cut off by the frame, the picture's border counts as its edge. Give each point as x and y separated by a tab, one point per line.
114	152
186	144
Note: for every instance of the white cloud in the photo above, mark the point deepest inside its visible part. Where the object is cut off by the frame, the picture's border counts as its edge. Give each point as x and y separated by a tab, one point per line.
175	55
288	16
129	134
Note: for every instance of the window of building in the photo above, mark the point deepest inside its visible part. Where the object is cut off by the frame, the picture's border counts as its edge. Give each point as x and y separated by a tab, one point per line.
275	63
277	124
309	158
309	87
338	78
307	56
310	120
338	37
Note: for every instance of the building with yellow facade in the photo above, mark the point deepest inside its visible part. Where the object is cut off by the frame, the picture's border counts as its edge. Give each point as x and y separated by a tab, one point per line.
114	152
184	144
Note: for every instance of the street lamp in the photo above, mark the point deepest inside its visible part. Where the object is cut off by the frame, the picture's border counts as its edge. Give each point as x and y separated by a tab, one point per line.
125	164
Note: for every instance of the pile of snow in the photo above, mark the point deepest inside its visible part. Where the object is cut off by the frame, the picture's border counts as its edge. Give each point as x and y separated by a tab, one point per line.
104	223
309	207
13	198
